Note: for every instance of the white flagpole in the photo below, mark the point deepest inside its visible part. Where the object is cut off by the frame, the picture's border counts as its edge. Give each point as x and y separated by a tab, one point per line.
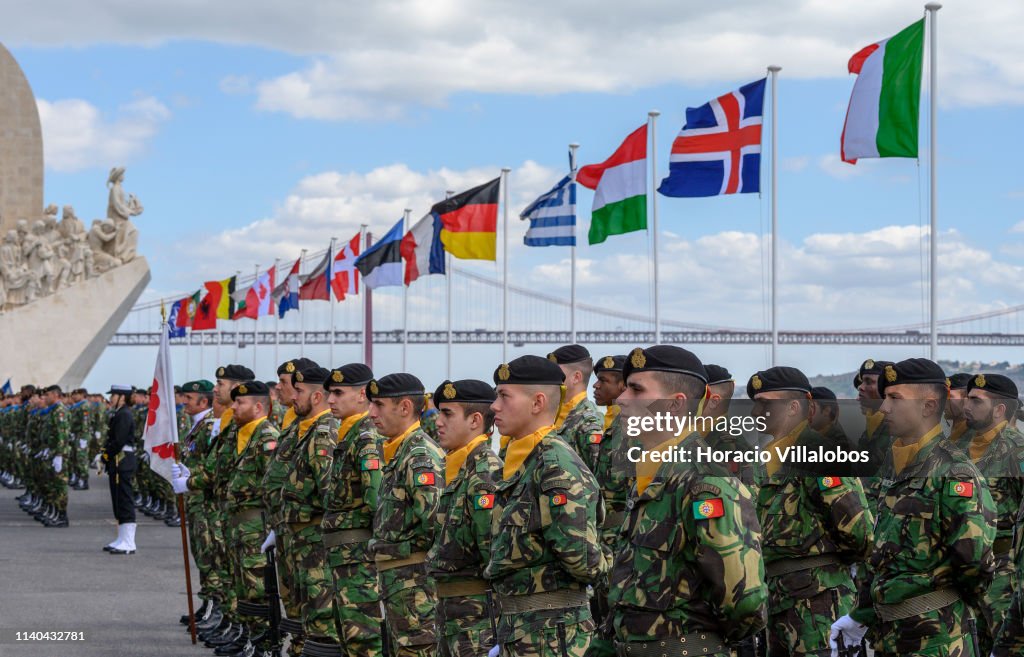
504	261
773	72
238	274
933	238
572	253
365	294
256	322
449	274
652	120
405	301
302	314
277	323
330	299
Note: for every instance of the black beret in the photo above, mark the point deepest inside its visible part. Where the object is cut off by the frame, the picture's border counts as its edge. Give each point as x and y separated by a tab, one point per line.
235	373
717	374
177	389
610	364
52	388
202	385
821	393
529	370
912	371
353	374
115	389
778	378
315	375
570	353
857	380
400	384
295	365
250	389
664	358
997	384
959	380
872	366
469	391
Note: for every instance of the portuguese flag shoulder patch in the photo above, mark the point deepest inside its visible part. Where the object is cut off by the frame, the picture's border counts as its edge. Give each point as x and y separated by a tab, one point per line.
370	464
824	483
595	438
483	501
961	488
705	509
559	499
425	479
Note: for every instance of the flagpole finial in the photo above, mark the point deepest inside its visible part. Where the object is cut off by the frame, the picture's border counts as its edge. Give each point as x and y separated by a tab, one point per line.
774	68
933	6
654	113
163	312
506	169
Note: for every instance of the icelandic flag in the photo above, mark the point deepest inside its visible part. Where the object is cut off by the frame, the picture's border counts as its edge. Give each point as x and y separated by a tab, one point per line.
7	389
287	293
718	151
553	216
381	264
173	329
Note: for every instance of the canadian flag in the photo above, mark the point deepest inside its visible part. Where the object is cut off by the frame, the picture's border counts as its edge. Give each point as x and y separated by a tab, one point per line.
161	434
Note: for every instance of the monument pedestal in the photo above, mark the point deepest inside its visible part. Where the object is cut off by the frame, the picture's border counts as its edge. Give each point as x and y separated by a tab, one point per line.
57	339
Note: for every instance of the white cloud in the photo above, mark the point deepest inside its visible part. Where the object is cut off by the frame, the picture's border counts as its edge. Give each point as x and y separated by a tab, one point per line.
1018	227
77	136
377	59
795	163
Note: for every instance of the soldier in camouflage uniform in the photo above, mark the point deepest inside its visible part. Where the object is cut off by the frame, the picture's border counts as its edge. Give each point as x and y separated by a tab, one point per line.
958	431
545	548
428	418
687	578
721	388
1010	638
349	504
56	434
140	410
405	519
876	439
824	416
998	451
277	409
813	528
100	413
462	546
932	559
578	422
81	426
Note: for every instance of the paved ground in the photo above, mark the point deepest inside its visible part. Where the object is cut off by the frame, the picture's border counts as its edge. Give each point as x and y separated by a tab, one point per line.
60	579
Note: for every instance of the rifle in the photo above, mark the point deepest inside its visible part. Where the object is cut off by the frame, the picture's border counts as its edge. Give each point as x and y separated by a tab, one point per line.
747	647
272	592
972	627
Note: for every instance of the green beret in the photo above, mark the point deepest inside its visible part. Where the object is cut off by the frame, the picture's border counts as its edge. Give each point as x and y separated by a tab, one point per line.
202	385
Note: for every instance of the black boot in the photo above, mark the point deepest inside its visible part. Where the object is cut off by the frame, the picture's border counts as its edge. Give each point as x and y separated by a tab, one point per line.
199	613
232	635
234	647
60	522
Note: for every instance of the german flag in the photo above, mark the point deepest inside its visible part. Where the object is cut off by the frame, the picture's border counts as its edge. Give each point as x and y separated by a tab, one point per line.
470	222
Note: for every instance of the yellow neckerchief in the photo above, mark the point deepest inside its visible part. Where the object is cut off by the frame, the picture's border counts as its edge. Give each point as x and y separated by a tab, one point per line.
901	455
304	425
874	420
453	461
566	407
958	429
348	423
773	464
520	448
980	442
245	433
610	414
391	446
289	417
226	417
647	469
503	442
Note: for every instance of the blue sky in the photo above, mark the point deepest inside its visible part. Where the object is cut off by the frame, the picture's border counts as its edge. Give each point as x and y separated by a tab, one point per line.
251	138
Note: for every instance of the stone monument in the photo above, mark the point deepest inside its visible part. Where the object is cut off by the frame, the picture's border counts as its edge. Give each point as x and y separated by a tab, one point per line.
64	291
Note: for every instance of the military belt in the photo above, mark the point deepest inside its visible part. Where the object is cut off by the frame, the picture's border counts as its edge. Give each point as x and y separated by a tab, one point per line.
560	599
1002	545
391	564
244	516
462	588
787	566
613	519
346	537
299	526
293	627
918	605
253	609
696	643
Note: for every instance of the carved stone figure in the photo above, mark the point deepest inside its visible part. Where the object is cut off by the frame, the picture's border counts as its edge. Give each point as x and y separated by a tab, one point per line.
101	241
120	210
19	285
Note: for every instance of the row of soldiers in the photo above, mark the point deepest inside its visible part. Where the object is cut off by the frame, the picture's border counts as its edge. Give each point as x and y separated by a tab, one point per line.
377	536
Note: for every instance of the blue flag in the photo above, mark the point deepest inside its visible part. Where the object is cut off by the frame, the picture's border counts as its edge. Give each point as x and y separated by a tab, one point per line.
381	264
7	390
173	330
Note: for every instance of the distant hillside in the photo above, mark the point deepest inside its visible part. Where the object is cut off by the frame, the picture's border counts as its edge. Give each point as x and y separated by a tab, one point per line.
842	384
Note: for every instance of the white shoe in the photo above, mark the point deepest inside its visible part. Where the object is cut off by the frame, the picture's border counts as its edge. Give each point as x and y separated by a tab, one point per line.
127	545
115	544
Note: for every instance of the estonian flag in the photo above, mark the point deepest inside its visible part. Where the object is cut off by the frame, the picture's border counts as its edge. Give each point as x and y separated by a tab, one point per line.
381	264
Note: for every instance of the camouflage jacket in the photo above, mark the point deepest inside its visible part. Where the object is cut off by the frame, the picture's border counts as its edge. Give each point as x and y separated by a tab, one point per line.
215	467
582	429
410	490
246	474
100	416
835	435
195	445
690	557
428	423
878	445
463	542
935	529
55	429
140	413
615	474
184	422
351	495
1010	640
1002	466
277	473
750	473
277	411
80	420
302	494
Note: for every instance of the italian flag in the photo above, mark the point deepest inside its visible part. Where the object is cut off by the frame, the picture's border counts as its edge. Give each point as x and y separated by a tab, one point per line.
620	204
882	119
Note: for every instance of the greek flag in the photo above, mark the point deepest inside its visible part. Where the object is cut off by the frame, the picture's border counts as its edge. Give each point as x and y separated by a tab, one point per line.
553	216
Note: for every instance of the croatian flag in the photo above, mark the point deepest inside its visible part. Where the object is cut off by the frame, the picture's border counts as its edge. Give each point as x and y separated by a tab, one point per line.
161	433
718	151
287	293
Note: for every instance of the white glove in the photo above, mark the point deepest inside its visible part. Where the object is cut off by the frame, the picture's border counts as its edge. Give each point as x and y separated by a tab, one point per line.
96	435
180	485
58	463
853	632
178	470
493	652
269	543
82	443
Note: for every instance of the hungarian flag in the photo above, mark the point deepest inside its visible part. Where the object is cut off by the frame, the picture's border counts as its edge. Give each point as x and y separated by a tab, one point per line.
422	249
346	276
469	222
620	204
286	295
882	118
318	282
161	432
258	299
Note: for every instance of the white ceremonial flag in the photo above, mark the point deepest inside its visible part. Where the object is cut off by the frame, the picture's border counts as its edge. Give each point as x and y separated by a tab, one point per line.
161	434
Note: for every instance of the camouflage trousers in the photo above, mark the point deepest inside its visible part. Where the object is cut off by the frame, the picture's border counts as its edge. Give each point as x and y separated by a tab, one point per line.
220	560
800	624
356	602
939	633
464	626
80	458
249	566
312	584
287	584
197	542
410	599
55	487
540	639
997	603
